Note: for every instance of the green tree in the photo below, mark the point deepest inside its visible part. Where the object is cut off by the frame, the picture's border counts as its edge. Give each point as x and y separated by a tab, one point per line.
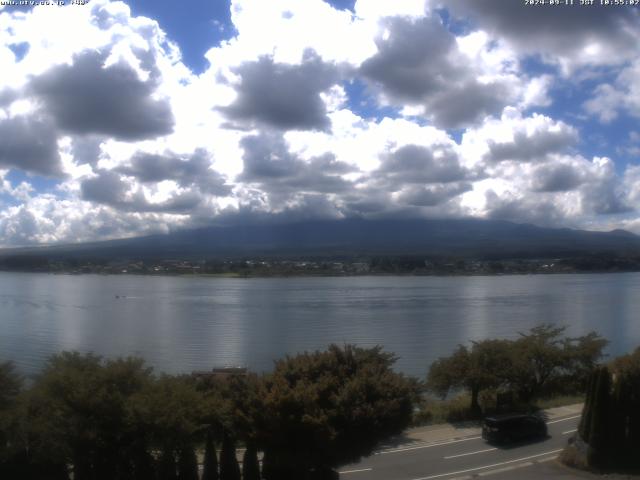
537	356
234	405
600	421
20	455
587	410
610	422
250	464
329	408
582	356
167	468
544	361
538	362
76	414
39	449
229	468
483	366
239	406
169	411
210	468
10	385
626	410
187	463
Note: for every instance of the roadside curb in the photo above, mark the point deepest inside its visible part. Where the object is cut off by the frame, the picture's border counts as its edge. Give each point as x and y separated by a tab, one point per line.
506	469
441	434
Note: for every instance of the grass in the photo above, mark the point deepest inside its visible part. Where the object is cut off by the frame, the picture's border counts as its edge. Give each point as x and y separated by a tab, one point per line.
559	401
434	411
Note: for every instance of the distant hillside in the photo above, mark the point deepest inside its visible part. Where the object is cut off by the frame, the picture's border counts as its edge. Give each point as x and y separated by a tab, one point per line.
460	237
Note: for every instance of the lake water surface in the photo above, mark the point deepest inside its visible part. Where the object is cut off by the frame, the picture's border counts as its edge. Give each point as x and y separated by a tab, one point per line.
179	324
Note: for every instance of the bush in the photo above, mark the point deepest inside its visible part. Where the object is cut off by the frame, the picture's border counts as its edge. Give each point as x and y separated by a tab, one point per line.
329	408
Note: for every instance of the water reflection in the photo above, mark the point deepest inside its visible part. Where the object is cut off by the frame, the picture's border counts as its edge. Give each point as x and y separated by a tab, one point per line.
181	324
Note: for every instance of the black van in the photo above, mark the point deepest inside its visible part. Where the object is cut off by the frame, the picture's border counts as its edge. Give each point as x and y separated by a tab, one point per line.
513	427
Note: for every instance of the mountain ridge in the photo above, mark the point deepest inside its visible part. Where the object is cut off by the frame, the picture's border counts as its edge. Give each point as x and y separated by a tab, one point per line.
352	237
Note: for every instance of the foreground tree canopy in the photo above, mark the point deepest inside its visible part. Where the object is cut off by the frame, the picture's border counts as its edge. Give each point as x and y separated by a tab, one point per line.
609	431
114	419
330	408
539	362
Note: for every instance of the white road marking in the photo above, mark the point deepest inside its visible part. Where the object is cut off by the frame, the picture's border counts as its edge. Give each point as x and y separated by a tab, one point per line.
355	471
564	419
488	466
512	467
426	446
470	453
406	449
569	431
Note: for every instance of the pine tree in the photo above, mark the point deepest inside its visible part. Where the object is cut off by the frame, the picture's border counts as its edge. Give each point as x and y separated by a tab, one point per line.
618	420
587	411
599	446
167	465
269	472
187	464
634	424
229	468
250	465
144	467
210	471
610	422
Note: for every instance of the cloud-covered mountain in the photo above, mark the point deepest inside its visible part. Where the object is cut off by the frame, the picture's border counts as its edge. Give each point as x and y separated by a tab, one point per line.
356	237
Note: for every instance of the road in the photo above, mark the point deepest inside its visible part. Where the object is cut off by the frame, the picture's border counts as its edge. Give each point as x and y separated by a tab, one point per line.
467	456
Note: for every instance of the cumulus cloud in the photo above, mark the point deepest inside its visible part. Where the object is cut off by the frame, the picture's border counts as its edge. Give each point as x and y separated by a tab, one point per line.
419	63
86	149
575	36
29	144
109	188
88	97
20	228
514	137
564	190
185	170
393	110
631	186
532	145
47	219
623	95
282	96
269	163
557	177
524	209
8	96
411	164
432	195
605	194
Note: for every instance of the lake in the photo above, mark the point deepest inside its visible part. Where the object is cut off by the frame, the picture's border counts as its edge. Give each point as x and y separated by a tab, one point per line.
179	324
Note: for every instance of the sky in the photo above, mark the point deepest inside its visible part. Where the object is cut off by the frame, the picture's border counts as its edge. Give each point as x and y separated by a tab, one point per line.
120	119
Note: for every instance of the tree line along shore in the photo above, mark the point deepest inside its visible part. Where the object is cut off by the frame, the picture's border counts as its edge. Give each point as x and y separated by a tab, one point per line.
85	417
274	266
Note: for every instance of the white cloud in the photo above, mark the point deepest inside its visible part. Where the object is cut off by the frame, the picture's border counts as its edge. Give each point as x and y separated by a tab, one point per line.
513	137
623	95
284	29
569	36
270	127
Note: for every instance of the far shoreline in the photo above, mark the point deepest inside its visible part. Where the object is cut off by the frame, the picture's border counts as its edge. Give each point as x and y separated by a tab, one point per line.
321	275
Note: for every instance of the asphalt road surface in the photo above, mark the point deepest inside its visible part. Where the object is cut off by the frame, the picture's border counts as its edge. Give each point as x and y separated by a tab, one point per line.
458	458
